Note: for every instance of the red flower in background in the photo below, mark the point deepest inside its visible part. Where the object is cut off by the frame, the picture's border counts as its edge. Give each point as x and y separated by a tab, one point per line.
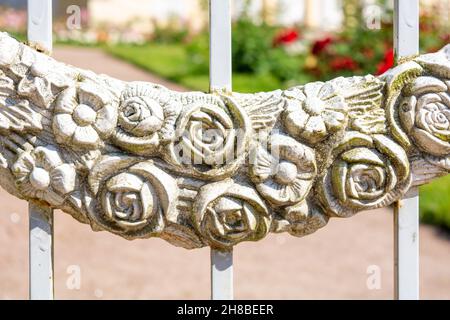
343	63
320	45
285	37
387	63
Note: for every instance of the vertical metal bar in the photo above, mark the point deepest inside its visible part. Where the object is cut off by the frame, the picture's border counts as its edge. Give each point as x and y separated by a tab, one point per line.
221	275
39	27
40	215
406	212
219	45
220	80
41	251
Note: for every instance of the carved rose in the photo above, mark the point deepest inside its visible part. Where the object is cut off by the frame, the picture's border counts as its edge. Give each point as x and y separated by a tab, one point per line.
42	175
299	220
226	213
285	175
314	111
211	137
130	200
367	173
146	119
84	115
425	115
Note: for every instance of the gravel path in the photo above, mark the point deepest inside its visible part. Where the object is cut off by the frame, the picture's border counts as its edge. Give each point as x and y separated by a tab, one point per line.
333	263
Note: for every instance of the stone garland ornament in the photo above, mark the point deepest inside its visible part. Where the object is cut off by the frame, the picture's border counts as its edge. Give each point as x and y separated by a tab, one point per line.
198	169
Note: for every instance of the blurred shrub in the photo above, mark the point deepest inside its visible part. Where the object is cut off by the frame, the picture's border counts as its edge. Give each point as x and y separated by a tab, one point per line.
435	202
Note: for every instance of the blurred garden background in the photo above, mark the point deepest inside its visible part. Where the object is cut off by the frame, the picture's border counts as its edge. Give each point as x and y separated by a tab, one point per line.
276	44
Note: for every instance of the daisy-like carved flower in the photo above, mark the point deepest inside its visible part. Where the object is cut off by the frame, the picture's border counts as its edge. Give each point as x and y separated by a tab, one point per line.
42	175
84	116
284	176
314	111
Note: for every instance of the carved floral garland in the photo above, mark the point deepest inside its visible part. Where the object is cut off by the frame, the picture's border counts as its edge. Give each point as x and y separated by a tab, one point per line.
217	169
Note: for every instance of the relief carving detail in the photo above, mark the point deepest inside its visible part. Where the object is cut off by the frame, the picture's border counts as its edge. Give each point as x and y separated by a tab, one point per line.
197	169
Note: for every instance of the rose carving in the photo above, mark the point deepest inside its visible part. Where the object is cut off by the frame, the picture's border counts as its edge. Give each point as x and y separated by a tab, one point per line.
425	115
211	137
146	119
133	201
285	175
226	213
299	220
367	173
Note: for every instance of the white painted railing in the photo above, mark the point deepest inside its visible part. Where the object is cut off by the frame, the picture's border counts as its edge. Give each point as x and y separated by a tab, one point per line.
406	226
406	212
40	215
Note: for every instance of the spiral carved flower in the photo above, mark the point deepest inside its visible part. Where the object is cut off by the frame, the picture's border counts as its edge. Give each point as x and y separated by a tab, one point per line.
367	173
285	175
226	213
425	115
146	119
133	201
42	175
211	138
84	115
314	111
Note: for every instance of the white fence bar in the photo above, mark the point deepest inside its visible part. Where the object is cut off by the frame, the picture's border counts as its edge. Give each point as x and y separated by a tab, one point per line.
406	212
220	80
41	252
219	45
39	28
221	275
40	215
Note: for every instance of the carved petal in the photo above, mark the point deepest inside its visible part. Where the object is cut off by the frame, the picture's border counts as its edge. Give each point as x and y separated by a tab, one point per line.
63	178
86	136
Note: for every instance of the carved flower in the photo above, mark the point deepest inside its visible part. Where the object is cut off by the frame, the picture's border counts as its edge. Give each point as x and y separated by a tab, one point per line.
146	119
226	213
211	137
425	115
84	116
130	200
286	175
367	173
38	80
41	174
299	220
314	111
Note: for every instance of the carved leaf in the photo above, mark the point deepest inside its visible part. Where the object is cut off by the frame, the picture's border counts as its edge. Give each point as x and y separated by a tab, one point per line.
18	114
364	98
263	108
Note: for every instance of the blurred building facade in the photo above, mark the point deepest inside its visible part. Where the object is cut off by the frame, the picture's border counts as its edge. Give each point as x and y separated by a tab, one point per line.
323	14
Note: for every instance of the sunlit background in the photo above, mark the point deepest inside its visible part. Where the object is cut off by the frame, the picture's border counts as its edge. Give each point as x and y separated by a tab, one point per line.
276	44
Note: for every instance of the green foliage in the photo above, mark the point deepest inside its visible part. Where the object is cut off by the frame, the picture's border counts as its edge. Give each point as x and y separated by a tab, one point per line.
173	62
169	34
435	202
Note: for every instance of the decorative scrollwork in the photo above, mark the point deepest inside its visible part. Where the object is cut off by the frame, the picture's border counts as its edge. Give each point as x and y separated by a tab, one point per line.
197	169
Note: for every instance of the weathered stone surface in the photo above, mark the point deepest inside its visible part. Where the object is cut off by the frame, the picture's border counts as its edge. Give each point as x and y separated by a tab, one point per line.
197	169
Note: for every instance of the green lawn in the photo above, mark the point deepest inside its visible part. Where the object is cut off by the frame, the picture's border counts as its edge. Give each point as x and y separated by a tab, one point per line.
171	62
